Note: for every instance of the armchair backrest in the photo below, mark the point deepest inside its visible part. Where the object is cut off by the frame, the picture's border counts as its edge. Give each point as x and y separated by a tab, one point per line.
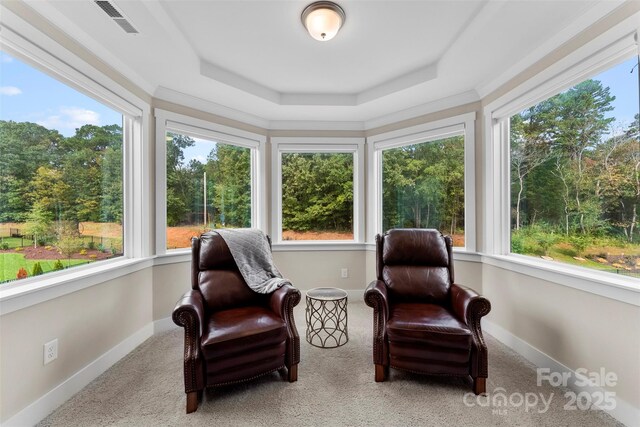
415	264
215	273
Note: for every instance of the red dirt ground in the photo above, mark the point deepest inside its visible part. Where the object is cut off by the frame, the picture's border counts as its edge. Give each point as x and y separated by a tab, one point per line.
315	235
41	252
180	237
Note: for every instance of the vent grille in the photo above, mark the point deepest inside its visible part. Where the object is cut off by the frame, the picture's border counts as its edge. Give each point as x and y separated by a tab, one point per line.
118	18
126	26
109	9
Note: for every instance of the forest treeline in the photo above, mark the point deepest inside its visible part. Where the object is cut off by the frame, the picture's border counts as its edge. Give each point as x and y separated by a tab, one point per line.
575	171
46	177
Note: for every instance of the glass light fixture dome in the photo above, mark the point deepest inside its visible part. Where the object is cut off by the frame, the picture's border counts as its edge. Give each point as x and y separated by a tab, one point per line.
323	19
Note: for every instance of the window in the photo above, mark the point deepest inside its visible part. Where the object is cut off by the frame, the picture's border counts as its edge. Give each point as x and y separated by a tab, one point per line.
317	189
209	177
423	187
574	174
420	178
208	186
61	175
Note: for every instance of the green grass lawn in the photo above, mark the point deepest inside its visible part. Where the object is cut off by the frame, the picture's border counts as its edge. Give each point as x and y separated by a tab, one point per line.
11	263
529	243
15	242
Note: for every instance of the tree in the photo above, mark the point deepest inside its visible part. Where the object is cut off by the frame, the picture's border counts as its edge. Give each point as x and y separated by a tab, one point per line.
618	181
51	193
317	191
580	124
531	135
69	241
24	147
229	185
423	185
179	179
92	166
39	223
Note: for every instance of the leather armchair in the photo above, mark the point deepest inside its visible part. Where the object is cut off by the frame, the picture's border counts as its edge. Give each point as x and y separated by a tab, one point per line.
231	333
422	321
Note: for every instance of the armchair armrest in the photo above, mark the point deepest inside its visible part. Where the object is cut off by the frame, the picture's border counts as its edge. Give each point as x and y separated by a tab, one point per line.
189	313
282	302
468	305
375	296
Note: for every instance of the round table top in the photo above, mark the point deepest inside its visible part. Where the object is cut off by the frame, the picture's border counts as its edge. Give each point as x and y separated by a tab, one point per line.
326	294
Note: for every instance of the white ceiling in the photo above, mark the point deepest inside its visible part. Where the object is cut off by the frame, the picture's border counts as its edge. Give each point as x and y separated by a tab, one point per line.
254	59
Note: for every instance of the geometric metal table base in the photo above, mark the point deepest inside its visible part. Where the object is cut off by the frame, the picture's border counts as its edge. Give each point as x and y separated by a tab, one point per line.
326	316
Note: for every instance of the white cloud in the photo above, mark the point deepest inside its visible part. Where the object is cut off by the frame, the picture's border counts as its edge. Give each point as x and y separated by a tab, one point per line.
70	118
5	58
10	90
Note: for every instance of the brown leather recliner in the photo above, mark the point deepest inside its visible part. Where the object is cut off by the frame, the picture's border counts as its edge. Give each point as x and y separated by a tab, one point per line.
422	321
231	333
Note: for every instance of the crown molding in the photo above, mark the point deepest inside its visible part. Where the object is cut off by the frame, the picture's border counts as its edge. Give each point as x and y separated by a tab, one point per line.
396	84
569	33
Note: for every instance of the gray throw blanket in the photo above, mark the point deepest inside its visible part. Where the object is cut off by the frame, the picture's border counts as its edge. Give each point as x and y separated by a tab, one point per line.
251	252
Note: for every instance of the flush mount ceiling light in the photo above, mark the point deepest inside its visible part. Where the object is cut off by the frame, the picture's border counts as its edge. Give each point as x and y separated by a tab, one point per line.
323	19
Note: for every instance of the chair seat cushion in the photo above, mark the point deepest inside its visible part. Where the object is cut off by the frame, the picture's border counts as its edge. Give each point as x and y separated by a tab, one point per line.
427	324
242	330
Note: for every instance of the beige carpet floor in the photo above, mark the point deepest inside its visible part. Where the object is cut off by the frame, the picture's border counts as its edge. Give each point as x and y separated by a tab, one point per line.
335	387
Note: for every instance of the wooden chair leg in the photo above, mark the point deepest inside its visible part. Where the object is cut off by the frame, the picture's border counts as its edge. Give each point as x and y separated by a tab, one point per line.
381	373
479	385
293	373
192	401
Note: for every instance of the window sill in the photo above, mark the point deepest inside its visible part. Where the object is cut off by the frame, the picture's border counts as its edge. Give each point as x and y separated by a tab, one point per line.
335	245
27	292
624	289
173	256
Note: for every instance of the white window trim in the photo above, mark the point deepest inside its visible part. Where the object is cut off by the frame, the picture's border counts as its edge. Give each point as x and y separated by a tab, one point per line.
186	125
355	146
457	125
598	55
135	171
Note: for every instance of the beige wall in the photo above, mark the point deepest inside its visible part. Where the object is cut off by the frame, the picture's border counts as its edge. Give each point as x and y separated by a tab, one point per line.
576	328
312	269
87	324
170	282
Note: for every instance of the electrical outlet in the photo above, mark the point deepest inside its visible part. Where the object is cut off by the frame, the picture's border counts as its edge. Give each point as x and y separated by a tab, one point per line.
51	351
344	273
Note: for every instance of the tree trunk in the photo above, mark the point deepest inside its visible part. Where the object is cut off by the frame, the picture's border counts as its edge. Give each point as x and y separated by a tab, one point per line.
521	182
634	218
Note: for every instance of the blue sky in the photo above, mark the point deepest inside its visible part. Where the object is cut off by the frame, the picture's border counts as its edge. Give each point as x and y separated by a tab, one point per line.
27	94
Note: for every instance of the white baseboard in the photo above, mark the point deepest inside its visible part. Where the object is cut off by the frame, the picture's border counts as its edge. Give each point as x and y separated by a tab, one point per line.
46	404
623	412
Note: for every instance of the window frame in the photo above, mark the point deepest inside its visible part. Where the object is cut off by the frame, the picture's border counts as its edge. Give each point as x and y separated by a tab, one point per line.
135	173
464	125
310	145
576	68
167	121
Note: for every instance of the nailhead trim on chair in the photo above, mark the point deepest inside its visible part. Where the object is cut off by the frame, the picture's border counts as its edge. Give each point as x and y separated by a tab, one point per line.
188	322
246	379
475	314
292	299
373	300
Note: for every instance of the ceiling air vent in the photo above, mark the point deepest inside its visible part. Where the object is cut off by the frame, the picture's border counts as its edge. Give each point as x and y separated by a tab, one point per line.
126	25
117	17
